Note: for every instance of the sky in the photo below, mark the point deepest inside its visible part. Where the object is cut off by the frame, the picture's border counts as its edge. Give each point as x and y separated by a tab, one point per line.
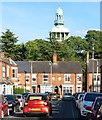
30	20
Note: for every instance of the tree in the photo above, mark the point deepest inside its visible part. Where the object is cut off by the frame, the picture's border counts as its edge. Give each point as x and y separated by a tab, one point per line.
94	37
8	43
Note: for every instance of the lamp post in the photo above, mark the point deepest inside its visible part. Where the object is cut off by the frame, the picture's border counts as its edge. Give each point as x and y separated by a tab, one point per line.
25	81
51	73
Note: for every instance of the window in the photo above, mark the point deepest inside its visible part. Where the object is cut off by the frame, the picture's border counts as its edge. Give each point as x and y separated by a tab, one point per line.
96	77
67	77
33	77
78	89
67	90
3	69
79	77
13	73
18	78
45	77
27	78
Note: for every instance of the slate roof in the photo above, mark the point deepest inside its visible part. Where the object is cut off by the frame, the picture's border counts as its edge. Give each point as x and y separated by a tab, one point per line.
23	66
89	68
45	67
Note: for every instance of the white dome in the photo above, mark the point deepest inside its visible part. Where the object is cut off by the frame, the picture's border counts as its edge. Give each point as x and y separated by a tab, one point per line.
60	29
59	11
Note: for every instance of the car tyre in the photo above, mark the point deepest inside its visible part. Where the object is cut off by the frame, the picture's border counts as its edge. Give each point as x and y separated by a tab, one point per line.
48	115
90	116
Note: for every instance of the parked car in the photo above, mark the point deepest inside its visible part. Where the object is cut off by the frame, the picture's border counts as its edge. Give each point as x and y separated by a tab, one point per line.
37	104
79	100
4	110
99	113
25	95
68	98
13	103
67	93
87	101
53	96
92	114
21	100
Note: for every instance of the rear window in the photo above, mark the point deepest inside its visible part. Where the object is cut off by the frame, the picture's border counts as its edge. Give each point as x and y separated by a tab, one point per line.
91	97
9	97
18	96
36	97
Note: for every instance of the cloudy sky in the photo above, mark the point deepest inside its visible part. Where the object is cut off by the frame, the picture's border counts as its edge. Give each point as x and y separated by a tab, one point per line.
33	20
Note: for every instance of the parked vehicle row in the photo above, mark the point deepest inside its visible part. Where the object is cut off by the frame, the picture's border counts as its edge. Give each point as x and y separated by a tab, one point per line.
89	104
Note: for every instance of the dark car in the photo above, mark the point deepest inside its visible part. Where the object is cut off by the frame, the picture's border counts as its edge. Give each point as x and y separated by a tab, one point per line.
93	110
68	98
99	113
13	103
37	104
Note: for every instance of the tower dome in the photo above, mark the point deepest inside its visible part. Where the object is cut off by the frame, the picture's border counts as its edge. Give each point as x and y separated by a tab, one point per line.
59	11
59	31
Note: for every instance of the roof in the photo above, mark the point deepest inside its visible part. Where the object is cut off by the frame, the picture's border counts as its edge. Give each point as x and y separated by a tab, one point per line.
45	67
23	66
9	61
90	65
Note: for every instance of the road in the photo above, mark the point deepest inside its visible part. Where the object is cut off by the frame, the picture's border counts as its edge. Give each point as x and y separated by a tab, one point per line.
60	110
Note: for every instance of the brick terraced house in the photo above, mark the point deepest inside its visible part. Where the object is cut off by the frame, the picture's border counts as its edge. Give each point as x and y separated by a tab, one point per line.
47	76
8	74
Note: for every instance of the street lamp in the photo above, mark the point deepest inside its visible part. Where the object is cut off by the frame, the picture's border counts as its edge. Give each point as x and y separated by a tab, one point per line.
25	81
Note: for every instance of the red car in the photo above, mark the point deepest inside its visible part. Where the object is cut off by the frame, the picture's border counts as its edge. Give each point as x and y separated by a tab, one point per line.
37	104
92	115
4	110
99	113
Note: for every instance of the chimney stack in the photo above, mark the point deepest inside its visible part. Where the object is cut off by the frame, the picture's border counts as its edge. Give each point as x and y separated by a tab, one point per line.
55	58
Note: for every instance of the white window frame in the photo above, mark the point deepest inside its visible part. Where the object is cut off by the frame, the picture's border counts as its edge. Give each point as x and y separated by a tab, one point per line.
34	76
67	77
79	78
3	71
27	77
45	79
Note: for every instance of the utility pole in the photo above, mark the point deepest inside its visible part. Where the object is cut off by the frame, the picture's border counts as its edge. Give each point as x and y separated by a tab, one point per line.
101	79
25	81
92	68
51	75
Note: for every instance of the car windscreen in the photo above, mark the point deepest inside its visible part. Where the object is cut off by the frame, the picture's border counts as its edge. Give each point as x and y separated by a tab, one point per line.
91	97
18	96
98	103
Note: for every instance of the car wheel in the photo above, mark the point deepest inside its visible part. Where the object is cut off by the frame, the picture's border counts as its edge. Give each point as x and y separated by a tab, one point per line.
90	116
48	115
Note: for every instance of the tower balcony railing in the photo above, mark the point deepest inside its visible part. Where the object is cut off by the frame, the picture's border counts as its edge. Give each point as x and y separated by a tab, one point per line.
59	22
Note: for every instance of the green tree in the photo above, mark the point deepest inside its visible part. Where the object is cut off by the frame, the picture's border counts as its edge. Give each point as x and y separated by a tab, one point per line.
94	37
8	40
